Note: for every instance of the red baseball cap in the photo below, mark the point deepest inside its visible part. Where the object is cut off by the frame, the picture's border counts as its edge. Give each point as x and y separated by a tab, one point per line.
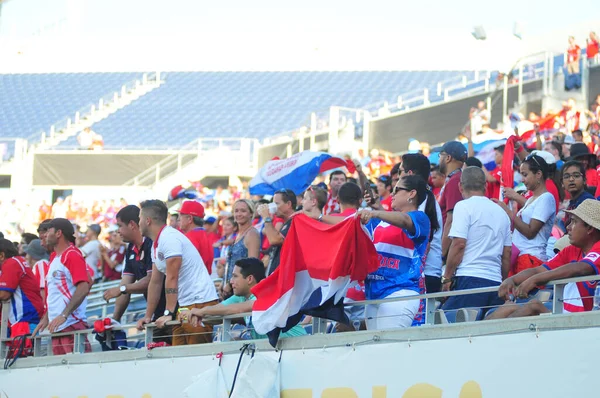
192	208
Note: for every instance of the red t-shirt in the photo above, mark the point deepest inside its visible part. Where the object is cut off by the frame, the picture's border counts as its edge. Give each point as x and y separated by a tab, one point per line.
573	53
117	255
591	177
25	302
592	49
201	241
450	194
578	297
357	292
597	194
492	190
386	203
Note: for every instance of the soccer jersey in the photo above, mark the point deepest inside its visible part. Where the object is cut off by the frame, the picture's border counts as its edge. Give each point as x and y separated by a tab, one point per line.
194	283
65	273
401	256
25	302
40	270
201	242
578	296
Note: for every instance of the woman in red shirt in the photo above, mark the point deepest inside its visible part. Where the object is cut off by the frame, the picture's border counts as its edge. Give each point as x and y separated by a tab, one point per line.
592	47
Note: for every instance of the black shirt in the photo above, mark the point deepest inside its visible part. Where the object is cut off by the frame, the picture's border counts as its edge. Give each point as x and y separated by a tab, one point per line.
138	263
276	250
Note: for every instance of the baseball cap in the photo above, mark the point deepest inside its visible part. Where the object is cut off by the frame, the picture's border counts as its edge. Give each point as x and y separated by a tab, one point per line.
65	226
589	212
455	149
210	219
192	208
385	179
36	250
547	156
96	228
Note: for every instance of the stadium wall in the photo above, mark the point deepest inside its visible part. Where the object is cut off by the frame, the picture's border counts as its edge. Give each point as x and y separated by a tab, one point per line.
77	168
594	84
438	123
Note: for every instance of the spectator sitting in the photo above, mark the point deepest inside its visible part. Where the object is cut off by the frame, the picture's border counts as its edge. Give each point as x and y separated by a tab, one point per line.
247	272
18	284
574	180
533	223
481	245
85	138
582	258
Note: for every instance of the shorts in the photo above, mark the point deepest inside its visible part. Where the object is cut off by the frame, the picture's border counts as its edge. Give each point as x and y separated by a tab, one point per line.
64	344
524	261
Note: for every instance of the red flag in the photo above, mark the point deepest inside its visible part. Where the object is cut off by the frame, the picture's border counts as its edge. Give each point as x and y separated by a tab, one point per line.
319	262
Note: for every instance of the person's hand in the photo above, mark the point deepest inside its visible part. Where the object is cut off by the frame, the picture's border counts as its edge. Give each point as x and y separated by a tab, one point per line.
504	207
511	194
468	133
507	288
522	291
40	326
142	322
184	315
218	244
357	165
56	322
446	286
111	293
365	215
162	321
263	211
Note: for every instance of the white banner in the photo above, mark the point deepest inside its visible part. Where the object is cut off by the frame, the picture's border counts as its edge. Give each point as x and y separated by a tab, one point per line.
512	365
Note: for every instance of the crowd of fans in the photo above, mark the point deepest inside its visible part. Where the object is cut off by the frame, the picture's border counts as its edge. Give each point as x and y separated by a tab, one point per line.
455	224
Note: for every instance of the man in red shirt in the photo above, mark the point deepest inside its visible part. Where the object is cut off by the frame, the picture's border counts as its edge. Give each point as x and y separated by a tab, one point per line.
581	258
18	284
336	180
452	158
492	189
384	190
191	223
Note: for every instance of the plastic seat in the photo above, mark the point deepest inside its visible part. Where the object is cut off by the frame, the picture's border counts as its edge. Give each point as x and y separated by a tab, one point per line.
468	314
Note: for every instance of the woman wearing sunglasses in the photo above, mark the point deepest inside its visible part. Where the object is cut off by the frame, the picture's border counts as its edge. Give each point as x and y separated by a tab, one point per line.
533	223
401	238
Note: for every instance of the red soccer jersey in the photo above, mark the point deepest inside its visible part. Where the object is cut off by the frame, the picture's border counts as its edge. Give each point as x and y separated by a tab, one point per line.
25	302
387	203
577	297
492	190
201	241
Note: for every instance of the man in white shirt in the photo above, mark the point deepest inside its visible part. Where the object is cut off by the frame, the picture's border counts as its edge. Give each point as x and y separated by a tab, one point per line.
187	282
91	249
481	245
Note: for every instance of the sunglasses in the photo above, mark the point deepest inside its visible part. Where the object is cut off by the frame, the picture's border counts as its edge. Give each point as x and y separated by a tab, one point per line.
398	189
534	158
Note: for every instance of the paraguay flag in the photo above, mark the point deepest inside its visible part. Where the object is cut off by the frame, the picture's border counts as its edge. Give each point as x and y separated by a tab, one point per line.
485	152
295	173
319	262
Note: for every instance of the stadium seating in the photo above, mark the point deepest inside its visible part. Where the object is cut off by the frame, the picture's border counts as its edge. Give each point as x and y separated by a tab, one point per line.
200	104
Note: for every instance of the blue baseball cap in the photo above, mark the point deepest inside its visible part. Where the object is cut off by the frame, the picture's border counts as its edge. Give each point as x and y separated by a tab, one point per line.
210	219
455	149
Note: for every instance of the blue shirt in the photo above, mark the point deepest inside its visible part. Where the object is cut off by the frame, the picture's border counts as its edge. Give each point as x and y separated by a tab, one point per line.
401	257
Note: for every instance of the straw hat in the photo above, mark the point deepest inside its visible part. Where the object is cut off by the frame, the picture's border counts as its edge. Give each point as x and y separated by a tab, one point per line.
589	212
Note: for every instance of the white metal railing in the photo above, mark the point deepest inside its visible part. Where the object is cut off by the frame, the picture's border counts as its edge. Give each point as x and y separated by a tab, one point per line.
318	324
244	147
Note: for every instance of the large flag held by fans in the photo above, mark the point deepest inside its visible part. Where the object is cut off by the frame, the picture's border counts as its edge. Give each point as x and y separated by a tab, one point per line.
295	173
318	264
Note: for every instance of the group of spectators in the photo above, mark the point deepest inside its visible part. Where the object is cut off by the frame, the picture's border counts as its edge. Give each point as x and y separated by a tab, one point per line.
453	225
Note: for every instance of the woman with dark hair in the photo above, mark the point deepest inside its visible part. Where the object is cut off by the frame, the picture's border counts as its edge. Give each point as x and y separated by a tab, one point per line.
574	182
401	238
533	223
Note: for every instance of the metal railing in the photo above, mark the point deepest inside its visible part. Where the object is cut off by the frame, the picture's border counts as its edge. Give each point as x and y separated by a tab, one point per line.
318	324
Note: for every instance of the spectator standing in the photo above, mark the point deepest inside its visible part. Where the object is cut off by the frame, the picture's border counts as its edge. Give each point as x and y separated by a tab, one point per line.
191	223
68	285
91	249
384	190
85	138
285	199
26	238
336	179
533	223
37	258
177	263
574	181
18	284
174	220
60	208
314	200
573	53
581	153
247	241
437	181
480	116
137	269
555	149
593	44
113	256
452	158
494	177
401	238
481	245
45	211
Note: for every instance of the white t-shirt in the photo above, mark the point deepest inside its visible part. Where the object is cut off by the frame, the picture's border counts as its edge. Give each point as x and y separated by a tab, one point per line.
433	262
91	252
194	283
544	210
486	228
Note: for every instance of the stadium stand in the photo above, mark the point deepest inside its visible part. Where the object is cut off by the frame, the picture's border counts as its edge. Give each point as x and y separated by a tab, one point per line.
209	104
